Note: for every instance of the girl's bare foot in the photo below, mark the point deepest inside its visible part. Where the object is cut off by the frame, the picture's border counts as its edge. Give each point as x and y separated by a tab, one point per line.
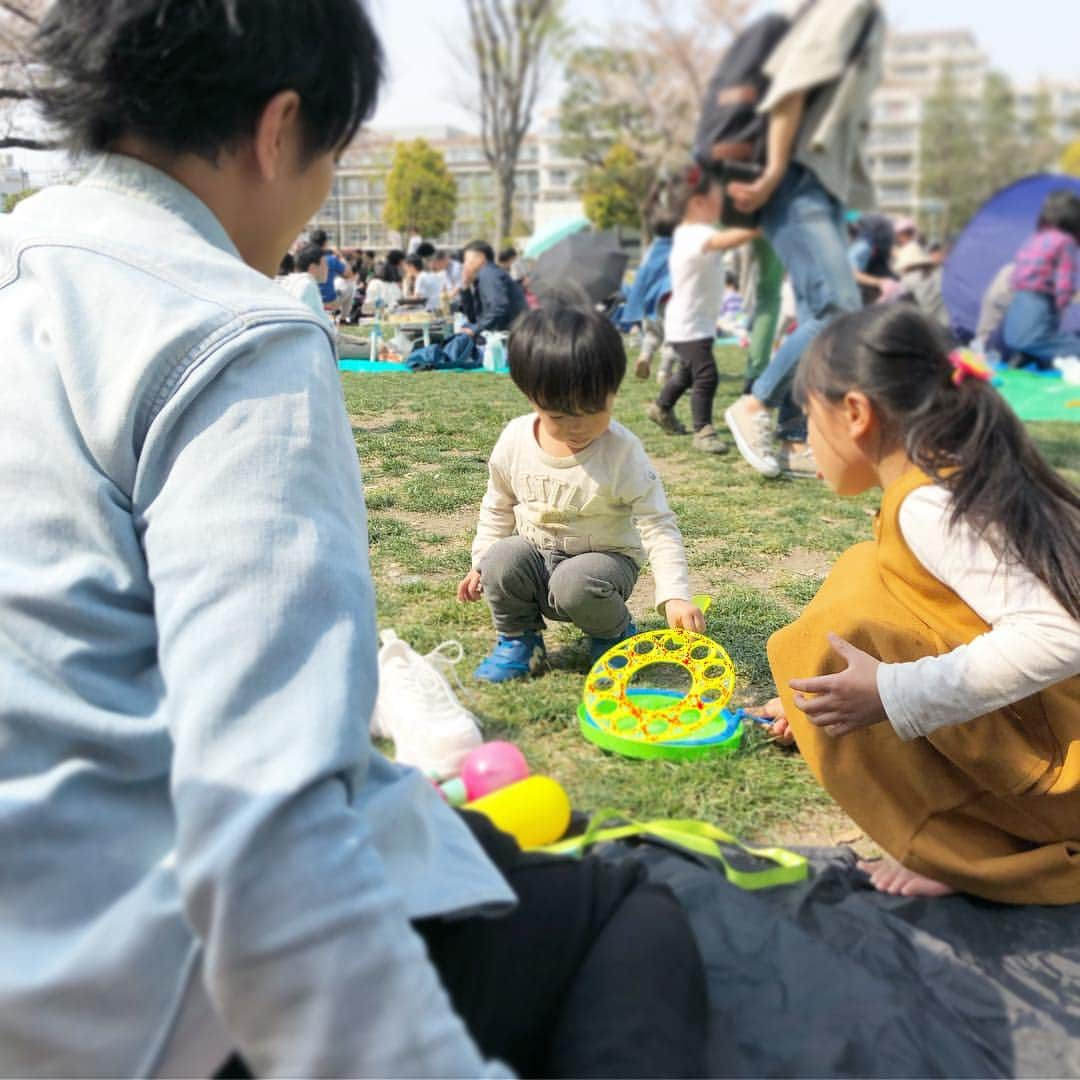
888	876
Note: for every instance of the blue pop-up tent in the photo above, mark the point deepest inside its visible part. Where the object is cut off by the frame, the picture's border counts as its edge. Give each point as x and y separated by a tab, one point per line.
991	240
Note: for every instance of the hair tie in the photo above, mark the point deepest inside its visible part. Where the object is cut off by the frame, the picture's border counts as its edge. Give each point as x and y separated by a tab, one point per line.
965	363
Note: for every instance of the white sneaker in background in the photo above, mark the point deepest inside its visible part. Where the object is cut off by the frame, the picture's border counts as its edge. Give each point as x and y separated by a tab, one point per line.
419	710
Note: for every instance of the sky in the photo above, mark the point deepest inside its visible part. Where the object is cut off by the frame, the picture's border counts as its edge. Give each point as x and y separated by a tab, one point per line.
427	83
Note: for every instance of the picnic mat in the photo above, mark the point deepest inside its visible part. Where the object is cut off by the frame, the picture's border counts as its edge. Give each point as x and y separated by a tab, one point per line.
830	978
1039	396
383	366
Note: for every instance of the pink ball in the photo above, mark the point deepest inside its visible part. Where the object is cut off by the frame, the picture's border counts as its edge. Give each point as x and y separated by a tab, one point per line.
491	766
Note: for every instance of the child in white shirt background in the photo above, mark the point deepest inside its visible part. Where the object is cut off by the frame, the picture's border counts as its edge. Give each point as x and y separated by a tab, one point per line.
697	298
574	506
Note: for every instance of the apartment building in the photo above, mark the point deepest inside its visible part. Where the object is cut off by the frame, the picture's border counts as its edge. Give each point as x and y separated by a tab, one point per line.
914	65
353	213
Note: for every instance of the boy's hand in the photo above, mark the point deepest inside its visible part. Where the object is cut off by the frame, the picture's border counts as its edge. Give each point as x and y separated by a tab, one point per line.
685	615
470	587
845	701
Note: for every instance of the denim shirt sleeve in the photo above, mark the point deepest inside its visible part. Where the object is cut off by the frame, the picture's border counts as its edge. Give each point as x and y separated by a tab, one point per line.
267	652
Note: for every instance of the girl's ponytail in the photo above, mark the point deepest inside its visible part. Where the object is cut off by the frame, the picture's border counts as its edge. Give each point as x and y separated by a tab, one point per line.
960	431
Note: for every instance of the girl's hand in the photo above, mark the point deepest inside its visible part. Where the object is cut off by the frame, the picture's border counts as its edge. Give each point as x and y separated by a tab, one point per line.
470	587
779	729
685	615
845	701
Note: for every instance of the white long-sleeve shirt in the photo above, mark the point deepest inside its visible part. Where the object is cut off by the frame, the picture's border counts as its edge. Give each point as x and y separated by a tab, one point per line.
608	497
1032	642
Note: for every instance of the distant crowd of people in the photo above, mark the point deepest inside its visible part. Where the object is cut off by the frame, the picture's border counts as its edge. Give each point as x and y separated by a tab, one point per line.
343	285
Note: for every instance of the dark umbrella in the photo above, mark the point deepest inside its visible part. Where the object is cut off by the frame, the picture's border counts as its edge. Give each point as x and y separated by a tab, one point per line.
594	261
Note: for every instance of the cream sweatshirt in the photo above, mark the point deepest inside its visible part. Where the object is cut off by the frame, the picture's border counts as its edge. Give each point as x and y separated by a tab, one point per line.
606	498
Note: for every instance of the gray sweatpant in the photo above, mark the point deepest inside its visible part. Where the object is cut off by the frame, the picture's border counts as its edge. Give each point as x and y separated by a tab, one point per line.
523	585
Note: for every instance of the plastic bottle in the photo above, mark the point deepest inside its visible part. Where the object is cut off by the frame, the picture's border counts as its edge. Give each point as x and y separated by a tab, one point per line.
377	331
487	768
495	349
535	811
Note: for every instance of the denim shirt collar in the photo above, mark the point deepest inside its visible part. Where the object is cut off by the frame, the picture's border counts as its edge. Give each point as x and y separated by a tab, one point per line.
118	172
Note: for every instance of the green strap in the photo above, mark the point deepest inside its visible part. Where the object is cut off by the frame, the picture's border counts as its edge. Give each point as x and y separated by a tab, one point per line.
698	836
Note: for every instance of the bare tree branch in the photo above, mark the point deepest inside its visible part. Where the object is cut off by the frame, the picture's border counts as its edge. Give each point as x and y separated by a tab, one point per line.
509	41
18	21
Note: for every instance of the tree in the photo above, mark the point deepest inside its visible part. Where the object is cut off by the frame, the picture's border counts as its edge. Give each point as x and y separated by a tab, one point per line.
11	201
1042	147
616	191
509	43
952	172
646	99
19	128
1070	160
1002	158
421	193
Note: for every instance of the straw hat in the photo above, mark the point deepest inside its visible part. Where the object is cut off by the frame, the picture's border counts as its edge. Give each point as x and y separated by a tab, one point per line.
912	256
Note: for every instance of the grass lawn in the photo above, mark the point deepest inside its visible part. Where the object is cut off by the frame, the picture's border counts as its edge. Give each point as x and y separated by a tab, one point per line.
760	548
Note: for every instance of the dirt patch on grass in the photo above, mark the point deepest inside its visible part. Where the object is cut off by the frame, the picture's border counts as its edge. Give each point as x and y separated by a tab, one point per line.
456	525
799	562
382	424
823	828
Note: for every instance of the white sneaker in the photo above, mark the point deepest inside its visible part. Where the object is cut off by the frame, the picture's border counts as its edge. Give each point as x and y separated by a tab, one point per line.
753	439
417	707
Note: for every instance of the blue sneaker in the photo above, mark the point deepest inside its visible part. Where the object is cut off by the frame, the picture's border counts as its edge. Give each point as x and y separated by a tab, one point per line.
512	658
600	645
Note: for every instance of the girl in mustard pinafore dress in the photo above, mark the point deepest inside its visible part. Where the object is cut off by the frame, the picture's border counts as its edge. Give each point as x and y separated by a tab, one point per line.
933	684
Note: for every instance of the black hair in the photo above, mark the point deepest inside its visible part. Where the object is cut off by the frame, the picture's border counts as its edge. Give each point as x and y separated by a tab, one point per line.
193	76
483	247
319	236
441	254
1061	210
414	261
308	256
287	265
730	280
370	255
964	435
662	216
693	180
425	249
395	257
566	358
389	272
508	254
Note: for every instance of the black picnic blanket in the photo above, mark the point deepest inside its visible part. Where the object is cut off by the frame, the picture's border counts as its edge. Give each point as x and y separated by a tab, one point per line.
830	978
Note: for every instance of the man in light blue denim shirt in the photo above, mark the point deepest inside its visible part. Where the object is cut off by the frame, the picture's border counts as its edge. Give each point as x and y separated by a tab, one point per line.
200	853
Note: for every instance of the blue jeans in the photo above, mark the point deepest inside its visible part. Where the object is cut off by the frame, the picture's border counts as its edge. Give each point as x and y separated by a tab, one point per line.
1032	327
805	225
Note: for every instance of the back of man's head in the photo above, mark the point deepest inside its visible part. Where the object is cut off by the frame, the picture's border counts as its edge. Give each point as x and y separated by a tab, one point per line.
308	256
481	247
319	237
194	76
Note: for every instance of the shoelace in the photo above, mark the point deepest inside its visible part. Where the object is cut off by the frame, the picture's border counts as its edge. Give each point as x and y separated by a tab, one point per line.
763	432
445	656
